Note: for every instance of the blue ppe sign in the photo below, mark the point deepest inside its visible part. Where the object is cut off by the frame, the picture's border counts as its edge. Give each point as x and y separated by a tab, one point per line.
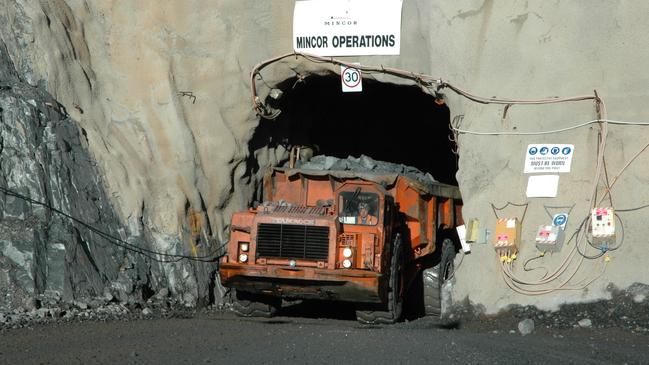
548	158
560	220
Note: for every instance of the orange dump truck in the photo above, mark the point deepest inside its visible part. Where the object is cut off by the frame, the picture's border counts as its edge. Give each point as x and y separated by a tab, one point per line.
360	237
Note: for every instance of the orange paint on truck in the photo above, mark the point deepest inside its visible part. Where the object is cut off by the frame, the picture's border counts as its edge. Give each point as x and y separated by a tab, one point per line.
307	241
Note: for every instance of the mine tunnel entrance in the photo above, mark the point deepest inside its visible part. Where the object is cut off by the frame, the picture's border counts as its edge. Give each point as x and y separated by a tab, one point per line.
388	122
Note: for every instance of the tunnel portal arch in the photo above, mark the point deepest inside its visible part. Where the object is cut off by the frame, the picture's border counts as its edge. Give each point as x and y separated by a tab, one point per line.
388	122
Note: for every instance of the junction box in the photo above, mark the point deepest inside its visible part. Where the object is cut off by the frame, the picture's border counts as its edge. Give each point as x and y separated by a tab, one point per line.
549	238
475	233
506	238
602	223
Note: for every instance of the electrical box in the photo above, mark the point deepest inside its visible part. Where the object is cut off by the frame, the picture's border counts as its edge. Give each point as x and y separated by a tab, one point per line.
602	222
475	233
508	231
472	230
549	238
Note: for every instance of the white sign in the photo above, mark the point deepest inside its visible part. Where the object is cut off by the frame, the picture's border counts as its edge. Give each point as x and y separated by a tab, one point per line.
351	79
461	232
347	27
542	186
548	158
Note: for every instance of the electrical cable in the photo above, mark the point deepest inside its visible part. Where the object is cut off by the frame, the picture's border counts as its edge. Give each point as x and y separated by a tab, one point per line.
546	207
494	209
608	190
584	226
535	268
419	78
524	291
552	131
631	209
116	240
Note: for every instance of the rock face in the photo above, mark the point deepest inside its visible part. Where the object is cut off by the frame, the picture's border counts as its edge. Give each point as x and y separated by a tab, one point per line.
48	180
167	151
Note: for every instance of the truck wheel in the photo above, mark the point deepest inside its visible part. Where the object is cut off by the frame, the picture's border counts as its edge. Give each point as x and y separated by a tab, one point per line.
395	286
252	305
435	277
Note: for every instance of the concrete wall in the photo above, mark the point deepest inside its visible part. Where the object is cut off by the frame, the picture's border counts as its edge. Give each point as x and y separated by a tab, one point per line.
530	50
118	67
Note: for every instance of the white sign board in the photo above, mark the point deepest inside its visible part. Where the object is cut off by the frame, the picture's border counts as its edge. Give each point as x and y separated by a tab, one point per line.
548	158
347	27
351	79
542	186
461	232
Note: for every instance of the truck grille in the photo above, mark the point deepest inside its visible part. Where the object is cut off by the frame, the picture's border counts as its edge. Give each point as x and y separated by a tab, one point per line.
293	241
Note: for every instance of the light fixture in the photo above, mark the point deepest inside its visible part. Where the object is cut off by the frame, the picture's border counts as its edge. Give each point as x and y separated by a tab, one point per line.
244	246
276	94
347	263
243	257
347	252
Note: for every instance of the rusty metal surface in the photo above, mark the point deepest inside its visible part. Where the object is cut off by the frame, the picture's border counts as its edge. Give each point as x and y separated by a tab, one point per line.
433	188
304	282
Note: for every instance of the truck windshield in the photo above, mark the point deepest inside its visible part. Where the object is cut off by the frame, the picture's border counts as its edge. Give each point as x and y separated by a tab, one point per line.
357	207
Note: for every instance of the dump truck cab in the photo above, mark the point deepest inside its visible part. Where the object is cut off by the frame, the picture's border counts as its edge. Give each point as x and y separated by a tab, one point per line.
332	235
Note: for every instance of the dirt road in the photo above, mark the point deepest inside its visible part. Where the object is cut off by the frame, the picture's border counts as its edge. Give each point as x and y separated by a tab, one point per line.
225	339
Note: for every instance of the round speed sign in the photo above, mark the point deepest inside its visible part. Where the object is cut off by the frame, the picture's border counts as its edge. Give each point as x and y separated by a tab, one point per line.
351	79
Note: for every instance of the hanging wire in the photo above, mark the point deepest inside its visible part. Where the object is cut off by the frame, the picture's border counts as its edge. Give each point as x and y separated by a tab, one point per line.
151	254
546	207
495	209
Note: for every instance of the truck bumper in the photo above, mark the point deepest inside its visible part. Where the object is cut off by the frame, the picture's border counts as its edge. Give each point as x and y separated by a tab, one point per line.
303	283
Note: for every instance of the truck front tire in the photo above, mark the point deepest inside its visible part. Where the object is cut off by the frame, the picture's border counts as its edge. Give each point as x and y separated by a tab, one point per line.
395	288
246	304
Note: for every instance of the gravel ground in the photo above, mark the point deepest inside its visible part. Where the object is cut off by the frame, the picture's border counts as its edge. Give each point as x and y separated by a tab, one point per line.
220	337
162	331
627	310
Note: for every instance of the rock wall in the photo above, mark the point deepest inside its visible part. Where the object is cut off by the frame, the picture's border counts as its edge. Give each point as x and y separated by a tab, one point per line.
162	92
43	158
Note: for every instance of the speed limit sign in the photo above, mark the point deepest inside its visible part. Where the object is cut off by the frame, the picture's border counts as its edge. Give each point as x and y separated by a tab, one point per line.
351	79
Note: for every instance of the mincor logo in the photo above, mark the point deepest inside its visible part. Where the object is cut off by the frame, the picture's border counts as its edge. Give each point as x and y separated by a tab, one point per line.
339	21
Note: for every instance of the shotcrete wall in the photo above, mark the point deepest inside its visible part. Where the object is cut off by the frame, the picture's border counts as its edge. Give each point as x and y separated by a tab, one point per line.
162	92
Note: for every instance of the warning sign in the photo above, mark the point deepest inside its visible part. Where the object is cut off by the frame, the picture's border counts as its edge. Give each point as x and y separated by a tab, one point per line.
548	158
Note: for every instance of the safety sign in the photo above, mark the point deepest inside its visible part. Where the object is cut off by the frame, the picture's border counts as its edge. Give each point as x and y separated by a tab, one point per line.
351	79
560	220
548	158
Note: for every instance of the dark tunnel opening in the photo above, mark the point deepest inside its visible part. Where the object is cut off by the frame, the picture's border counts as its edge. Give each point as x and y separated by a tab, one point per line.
388	122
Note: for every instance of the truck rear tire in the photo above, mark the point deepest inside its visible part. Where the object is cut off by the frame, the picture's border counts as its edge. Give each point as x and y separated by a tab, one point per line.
395	288
435	277
246	304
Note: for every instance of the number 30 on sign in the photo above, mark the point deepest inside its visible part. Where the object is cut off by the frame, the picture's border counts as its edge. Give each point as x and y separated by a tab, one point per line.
351	79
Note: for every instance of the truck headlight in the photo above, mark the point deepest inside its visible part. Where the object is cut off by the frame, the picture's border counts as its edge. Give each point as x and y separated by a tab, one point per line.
347	252
244	246
243	257
347	263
